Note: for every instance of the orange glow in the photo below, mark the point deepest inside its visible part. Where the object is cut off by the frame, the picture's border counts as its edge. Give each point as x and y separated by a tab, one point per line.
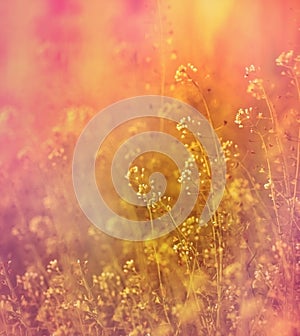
63	61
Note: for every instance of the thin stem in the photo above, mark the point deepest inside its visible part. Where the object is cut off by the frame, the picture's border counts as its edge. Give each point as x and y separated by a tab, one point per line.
14	295
296	180
89	293
202	98
161	287
272	188
275	123
297	86
80	321
218	262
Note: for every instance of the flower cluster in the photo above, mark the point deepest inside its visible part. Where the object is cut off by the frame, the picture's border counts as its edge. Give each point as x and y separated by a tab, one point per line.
256	88
285	58
290	63
187	172
242	115
230	150
182	73
251	69
184	249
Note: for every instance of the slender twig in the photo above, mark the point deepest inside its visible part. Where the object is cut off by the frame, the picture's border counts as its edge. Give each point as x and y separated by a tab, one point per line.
162	290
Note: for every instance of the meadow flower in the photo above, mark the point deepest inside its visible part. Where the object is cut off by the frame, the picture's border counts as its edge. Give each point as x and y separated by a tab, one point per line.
256	89
242	115
251	69
237	272
285	58
182	73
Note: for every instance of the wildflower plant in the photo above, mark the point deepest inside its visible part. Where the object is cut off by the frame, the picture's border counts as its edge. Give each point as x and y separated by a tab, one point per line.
238	274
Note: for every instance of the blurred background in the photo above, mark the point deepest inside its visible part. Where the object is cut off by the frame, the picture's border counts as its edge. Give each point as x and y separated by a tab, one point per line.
62	61
55	54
